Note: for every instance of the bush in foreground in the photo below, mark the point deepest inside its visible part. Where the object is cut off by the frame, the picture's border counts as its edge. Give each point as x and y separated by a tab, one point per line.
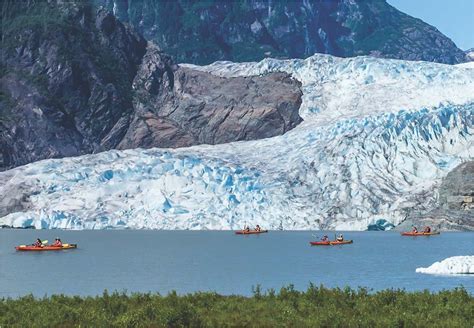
316	307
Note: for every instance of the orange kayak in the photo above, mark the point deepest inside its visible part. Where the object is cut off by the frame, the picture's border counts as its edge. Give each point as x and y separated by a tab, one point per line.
251	232
415	234
330	243
45	248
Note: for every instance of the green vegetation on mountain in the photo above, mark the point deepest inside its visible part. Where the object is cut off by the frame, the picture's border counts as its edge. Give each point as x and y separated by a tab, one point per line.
75	80
204	31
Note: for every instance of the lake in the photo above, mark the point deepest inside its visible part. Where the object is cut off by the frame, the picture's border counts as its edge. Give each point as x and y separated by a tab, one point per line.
189	261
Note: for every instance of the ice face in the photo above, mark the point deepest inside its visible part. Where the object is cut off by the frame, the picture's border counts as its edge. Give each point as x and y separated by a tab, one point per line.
451	265
377	137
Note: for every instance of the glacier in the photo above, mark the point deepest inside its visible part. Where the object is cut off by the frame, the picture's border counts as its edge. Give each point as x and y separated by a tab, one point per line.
377	137
451	265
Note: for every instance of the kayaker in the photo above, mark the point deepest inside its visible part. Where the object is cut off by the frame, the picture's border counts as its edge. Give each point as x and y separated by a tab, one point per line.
38	243
415	230
340	237
427	229
325	238
247	229
257	228
57	243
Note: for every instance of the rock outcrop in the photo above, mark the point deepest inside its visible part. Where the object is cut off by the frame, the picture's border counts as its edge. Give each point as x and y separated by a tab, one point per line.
177	106
202	32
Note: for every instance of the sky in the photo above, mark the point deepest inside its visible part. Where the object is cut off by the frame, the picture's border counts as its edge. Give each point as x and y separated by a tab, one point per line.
453	18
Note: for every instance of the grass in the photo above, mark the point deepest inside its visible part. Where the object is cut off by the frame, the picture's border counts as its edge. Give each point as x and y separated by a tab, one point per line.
315	307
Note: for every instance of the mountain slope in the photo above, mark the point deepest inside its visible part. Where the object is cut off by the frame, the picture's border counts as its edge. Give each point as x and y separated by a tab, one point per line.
363	154
76	81
66	80
202	32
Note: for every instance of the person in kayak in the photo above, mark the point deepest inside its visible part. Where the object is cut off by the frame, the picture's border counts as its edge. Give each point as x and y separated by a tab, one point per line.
257	228
247	229
57	243
415	230
325	238
427	229
38	243
340	237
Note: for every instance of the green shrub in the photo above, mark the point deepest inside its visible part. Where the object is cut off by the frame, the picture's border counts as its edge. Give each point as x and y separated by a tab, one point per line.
316	307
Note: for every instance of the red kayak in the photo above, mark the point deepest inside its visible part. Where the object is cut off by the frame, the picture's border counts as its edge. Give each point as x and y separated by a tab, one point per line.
415	234
330	243
251	232
44	248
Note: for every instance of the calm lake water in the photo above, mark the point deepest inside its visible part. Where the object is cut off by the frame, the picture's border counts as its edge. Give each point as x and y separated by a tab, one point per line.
188	261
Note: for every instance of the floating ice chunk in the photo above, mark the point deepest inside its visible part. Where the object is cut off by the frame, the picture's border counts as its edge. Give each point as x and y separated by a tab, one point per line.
451	265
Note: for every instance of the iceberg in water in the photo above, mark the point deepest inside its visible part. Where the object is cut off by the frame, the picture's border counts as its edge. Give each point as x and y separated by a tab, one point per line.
451	265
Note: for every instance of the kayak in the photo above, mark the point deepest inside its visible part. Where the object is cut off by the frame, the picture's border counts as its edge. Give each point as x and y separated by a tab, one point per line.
45	248
330	243
414	234
251	232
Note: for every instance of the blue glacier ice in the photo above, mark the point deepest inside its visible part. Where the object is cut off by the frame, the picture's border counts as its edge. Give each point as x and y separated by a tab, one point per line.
377	138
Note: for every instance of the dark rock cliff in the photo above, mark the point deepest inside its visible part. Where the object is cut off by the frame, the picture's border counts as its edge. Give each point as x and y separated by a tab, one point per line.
66	82
75	81
202	32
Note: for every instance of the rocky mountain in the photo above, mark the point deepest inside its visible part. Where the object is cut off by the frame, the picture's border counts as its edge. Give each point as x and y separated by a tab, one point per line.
74	80
202	32
66	80
470	54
